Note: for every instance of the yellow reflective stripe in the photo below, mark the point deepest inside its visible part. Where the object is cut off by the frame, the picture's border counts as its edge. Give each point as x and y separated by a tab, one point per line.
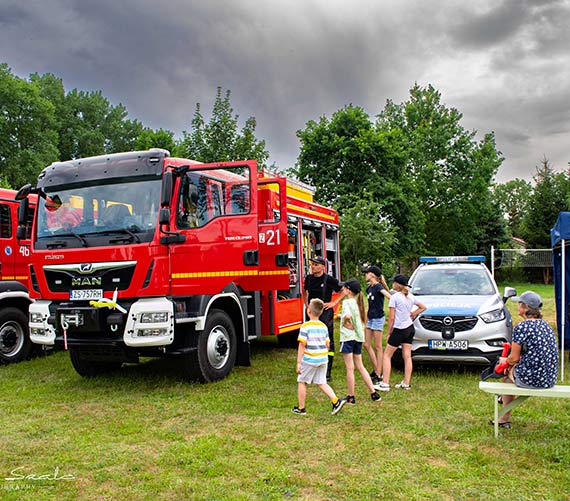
13	277
331	353
310	212
290	328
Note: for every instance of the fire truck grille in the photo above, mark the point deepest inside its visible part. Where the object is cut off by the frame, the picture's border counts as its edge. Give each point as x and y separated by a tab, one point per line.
108	279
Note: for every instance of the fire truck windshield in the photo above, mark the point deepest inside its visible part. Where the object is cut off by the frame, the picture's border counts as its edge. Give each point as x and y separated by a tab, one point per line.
95	215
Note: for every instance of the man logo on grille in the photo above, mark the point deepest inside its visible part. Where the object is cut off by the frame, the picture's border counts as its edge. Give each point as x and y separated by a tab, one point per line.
85	268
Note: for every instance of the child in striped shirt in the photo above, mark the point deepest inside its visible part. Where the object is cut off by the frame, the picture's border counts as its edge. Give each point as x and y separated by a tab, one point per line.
312	358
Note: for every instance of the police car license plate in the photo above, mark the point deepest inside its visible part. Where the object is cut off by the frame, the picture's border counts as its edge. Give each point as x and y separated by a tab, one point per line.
85	294
444	344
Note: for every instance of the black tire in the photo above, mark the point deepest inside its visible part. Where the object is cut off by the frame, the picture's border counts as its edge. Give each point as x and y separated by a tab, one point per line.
15	344
90	368
288	339
216	347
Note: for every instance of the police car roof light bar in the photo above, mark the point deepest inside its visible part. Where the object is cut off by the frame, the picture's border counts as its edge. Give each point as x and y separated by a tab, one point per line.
452	259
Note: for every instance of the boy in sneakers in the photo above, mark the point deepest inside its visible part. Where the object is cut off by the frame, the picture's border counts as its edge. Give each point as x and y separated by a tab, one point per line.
312	358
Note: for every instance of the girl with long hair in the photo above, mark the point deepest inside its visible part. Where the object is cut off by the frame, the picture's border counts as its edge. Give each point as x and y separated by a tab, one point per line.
376	291
352	321
404	309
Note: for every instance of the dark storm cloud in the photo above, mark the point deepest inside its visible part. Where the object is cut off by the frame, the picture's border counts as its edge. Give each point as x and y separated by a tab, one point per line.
493	24
504	65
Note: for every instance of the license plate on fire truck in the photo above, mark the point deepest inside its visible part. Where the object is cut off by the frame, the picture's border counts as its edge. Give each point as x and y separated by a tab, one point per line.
85	294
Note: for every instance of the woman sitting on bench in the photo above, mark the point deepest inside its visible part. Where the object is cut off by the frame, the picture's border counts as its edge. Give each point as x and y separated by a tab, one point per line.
533	361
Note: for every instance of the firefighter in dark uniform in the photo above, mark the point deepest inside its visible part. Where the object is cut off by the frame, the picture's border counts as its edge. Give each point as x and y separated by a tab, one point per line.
319	284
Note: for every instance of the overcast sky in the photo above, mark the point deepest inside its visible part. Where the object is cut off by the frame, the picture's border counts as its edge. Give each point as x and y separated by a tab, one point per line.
504	64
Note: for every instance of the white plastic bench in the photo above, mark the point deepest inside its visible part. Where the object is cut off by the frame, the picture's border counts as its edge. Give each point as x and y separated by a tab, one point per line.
497	388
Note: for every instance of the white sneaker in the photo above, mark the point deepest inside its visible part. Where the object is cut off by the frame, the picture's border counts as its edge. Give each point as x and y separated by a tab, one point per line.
403	385
382	386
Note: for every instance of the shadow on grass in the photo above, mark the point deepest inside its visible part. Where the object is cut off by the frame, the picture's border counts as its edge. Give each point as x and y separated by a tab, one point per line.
154	371
431	369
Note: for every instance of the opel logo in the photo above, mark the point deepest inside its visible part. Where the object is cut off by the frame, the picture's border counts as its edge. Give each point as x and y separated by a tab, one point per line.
85	268
447	321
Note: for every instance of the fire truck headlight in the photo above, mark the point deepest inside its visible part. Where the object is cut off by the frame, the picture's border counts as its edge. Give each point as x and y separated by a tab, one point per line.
151	332
154	317
34	331
36	318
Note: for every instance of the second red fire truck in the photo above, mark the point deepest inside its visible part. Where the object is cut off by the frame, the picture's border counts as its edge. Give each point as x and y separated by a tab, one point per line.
14	300
142	254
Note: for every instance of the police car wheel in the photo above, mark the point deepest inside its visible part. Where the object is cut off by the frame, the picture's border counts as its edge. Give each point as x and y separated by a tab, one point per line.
216	348
15	342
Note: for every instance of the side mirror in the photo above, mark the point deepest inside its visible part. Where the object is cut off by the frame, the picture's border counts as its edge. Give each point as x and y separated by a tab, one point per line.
23	210
167	185
164	216
23	192
21	233
509	292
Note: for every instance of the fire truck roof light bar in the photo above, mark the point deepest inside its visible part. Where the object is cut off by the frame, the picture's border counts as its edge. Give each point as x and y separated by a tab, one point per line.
452	259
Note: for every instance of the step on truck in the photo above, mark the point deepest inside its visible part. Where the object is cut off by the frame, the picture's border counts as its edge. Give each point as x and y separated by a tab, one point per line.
141	254
15	343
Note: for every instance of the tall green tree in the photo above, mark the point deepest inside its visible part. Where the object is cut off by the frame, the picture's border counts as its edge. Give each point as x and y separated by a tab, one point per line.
219	139
91	125
367	237
550	196
87	123
160	138
28	136
451	173
347	156
512	198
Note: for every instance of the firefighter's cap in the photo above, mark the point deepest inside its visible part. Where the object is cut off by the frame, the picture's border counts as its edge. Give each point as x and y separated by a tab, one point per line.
318	260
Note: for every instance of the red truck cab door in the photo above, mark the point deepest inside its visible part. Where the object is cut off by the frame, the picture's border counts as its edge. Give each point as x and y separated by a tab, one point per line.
215	209
272	213
8	248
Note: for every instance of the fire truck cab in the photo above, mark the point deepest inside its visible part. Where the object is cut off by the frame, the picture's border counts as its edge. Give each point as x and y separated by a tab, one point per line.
15	343
142	254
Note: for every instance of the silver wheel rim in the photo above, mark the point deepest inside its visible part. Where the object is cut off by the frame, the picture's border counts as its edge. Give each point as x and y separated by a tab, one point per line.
218	349
11	338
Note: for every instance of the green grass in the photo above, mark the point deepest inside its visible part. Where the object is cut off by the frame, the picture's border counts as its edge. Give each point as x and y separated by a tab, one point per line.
143	433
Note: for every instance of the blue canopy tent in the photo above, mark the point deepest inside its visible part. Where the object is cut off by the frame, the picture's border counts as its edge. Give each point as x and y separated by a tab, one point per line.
560	240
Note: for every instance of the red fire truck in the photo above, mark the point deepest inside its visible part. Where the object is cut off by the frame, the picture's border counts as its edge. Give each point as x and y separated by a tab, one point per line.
14	300
141	254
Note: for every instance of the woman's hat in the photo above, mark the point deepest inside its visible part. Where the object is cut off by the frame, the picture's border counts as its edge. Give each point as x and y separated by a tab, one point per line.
352	285
401	279
529	298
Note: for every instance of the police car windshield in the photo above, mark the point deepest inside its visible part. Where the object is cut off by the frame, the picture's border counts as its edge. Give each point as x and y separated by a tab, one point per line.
451	282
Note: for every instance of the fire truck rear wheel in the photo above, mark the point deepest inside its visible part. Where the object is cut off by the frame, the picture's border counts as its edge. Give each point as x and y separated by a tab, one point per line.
15	342
216	348
90	368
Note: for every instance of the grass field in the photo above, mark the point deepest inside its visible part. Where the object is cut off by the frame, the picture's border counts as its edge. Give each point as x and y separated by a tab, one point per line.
143	433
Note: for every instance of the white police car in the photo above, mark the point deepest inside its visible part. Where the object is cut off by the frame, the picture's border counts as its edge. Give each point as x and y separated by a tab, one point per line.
466	320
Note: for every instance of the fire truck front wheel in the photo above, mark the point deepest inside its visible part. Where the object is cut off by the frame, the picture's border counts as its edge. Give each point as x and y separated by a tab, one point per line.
215	355
15	343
